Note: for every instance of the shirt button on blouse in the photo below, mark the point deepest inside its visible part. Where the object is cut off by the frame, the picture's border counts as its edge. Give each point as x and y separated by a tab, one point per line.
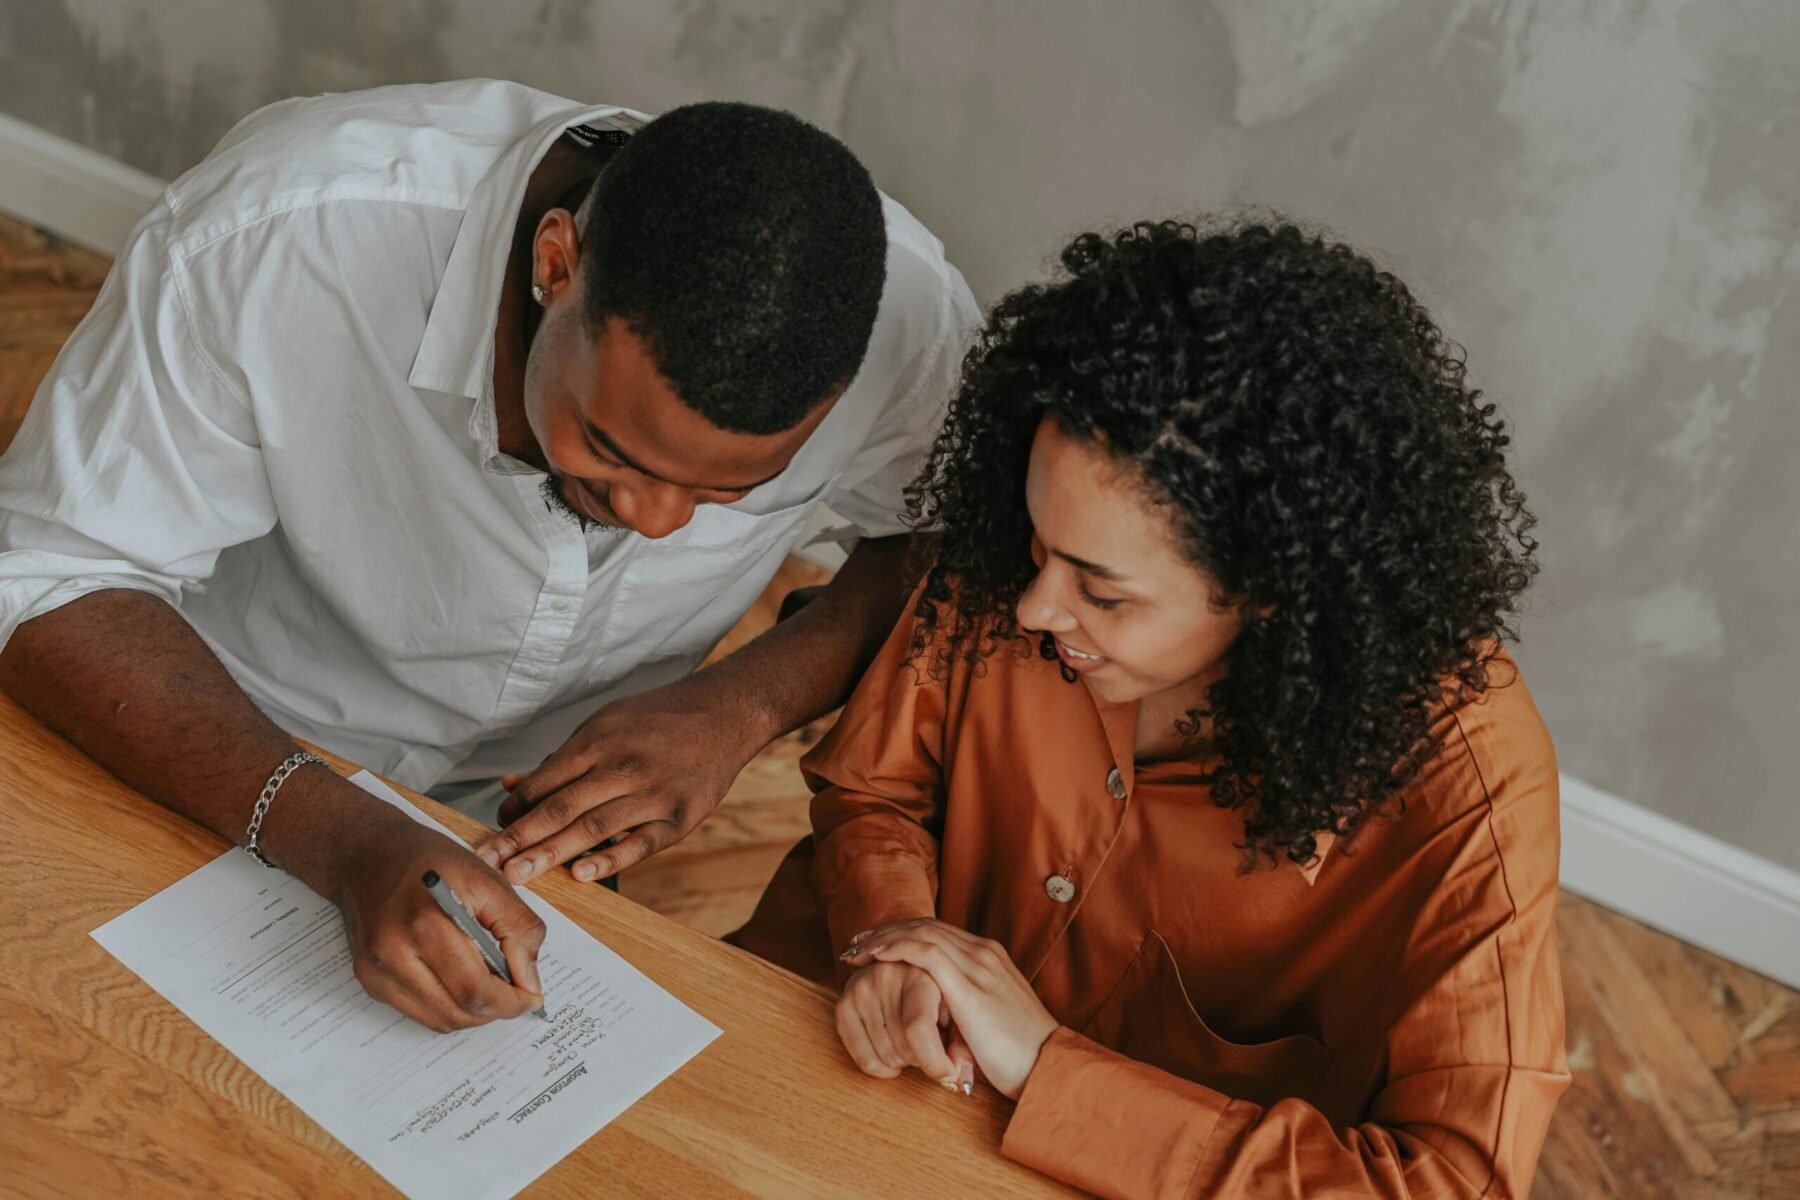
1059	889
1115	784
561	606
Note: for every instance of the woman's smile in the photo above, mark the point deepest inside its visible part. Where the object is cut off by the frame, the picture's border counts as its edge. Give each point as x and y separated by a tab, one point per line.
1078	660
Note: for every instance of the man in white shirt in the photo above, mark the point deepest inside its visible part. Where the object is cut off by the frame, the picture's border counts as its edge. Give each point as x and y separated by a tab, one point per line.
393	430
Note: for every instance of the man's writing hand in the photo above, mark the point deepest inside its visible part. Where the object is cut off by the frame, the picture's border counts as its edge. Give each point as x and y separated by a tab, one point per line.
408	954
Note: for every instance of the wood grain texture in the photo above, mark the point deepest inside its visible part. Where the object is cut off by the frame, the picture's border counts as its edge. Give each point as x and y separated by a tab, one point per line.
46	286
1687	1067
1687	1071
106	1086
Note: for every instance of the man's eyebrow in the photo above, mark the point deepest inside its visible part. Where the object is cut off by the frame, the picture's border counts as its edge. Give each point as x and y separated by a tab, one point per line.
1094	569
599	435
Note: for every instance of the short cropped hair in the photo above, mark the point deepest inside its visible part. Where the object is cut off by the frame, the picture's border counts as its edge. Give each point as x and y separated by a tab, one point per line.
748	249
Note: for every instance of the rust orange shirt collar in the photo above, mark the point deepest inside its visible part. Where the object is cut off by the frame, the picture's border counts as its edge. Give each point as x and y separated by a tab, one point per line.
1120	721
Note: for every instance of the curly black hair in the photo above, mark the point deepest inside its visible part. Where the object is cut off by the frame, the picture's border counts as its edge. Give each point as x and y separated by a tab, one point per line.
749	249
1314	435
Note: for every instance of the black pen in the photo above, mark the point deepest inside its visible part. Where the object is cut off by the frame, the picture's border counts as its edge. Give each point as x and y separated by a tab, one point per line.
484	941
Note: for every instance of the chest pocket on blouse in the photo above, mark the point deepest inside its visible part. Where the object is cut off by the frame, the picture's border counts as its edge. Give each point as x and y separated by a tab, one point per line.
1149	1017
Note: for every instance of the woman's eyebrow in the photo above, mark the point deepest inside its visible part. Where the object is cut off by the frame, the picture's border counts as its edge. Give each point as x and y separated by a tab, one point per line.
1094	569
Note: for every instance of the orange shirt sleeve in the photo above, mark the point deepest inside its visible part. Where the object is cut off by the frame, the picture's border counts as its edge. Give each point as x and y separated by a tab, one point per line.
1475	1065
878	798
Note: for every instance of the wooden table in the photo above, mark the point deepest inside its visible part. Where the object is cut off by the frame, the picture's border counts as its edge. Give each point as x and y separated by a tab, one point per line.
108	1090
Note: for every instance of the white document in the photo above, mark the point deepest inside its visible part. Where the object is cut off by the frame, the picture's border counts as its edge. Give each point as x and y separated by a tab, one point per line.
261	963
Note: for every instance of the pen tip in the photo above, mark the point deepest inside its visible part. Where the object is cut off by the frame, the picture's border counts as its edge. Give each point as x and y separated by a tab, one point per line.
540	1014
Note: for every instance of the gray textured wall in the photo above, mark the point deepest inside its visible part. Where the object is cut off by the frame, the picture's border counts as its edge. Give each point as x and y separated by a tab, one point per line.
1600	198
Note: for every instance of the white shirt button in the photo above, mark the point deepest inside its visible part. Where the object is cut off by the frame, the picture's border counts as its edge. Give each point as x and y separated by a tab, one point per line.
1059	889
1115	784
561	606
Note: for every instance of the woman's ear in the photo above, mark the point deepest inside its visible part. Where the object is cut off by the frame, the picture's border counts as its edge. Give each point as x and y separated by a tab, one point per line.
1238	602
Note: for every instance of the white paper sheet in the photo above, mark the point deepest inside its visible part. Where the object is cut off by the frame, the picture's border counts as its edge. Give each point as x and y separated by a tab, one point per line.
261	963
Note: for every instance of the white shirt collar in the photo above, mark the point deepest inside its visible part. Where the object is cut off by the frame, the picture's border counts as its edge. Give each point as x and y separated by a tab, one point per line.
304	492
457	349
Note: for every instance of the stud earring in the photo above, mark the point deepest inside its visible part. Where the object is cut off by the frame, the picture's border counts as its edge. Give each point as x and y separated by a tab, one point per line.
538	293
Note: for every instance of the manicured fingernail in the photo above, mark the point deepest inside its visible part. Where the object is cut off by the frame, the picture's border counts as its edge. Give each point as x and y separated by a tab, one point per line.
859	937
488	855
585	871
966	1079
949	1083
523	870
849	954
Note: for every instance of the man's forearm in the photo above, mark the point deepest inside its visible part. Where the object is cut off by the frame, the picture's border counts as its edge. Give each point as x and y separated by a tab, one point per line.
120	674
807	665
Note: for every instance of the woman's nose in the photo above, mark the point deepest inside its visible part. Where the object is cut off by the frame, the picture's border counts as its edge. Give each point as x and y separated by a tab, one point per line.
1039	607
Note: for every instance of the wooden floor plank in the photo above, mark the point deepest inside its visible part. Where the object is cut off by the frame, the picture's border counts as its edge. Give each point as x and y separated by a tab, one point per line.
1769	1082
1605	1140
1670	1067
1715	1001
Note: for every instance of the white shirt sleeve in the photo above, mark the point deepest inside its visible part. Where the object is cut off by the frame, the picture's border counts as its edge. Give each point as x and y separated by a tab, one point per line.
136	463
870	493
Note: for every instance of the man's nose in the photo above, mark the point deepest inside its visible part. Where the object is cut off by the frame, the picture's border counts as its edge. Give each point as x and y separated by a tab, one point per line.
653	510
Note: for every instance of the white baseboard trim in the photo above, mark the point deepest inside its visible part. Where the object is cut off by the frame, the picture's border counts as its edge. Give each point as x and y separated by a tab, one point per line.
74	192
1681	881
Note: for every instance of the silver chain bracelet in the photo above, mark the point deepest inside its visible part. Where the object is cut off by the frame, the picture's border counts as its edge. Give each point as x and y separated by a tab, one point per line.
293	763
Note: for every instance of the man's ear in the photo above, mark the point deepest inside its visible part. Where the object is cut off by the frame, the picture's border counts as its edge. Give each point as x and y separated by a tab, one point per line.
556	253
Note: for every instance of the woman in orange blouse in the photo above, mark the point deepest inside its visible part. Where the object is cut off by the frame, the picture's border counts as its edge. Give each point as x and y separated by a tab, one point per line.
1196	803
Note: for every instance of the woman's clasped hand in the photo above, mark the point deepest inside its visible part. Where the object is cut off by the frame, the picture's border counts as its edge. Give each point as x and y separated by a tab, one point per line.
932	996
